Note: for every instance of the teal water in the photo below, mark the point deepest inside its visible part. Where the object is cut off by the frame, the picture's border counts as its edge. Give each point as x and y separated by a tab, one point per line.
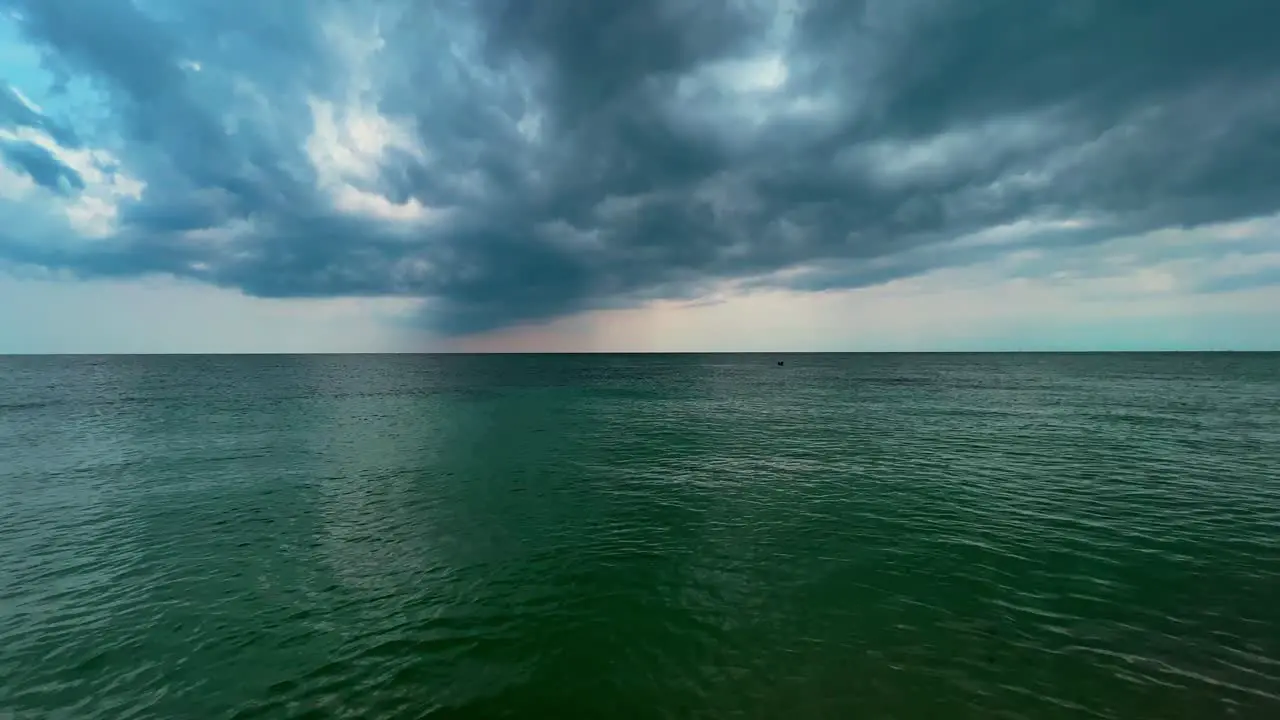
848	536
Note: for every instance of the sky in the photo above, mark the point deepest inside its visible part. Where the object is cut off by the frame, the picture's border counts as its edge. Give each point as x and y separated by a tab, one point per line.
649	175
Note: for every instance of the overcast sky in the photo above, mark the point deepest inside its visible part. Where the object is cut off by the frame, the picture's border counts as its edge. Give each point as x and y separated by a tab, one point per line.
319	175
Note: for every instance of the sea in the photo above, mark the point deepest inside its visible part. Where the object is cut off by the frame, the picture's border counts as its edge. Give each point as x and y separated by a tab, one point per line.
939	536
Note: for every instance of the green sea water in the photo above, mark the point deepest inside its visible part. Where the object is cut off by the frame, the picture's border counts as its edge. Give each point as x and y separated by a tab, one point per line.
679	536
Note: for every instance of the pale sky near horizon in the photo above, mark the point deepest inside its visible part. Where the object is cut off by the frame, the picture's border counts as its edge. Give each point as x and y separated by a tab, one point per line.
658	175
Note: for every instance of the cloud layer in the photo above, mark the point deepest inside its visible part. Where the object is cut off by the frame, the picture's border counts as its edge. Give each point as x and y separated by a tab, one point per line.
510	162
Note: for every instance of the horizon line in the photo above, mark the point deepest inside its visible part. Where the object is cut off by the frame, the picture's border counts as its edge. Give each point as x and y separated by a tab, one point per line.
656	352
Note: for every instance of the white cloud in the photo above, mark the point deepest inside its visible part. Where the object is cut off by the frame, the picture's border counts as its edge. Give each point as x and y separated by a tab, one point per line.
91	212
896	163
765	73
26	101
346	147
350	138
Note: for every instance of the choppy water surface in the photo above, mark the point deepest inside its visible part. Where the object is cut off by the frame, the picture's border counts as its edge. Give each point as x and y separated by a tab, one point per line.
1032	536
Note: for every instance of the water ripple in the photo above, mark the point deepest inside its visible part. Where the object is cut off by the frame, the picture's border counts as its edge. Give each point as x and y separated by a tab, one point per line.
665	536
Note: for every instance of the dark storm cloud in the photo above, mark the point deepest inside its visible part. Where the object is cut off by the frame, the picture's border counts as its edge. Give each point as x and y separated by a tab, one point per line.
16	114
594	154
41	166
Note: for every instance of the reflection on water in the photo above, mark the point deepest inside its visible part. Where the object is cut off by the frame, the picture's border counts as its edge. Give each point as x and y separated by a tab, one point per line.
652	536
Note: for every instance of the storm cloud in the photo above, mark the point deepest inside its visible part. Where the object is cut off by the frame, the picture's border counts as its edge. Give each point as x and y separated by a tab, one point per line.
509	161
